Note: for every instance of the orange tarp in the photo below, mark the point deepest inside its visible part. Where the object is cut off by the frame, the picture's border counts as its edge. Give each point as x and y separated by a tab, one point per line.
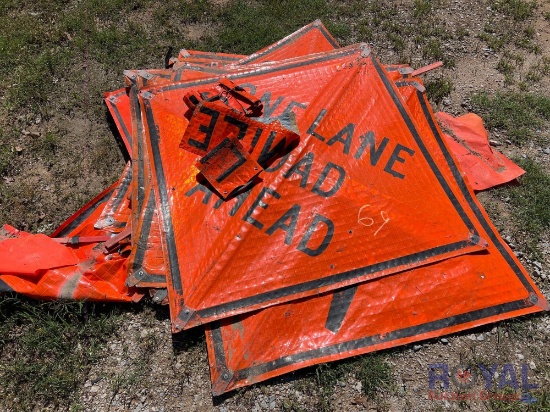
96	275
484	166
29	254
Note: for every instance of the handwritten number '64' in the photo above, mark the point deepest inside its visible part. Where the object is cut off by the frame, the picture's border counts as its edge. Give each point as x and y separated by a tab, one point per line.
369	221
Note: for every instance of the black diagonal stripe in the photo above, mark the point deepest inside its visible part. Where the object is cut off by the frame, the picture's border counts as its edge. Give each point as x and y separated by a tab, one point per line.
281	293
339	306
144	234
118	116
138	157
164	210
122	189
471	202
307	61
365	342
425	152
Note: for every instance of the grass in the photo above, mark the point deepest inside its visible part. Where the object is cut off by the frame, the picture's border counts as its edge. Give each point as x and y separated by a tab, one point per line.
405	33
47	349
422	8
371	370
520	115
514	31
326	378
6	155
541	405
292	405
539	70
106	34
439	88
519	10
494	41
375	375
508	64
265	22
530	202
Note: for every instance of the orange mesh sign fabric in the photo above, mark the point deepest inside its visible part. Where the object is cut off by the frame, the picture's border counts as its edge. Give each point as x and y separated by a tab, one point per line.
96	275
394	310
310	202
46	254
469	141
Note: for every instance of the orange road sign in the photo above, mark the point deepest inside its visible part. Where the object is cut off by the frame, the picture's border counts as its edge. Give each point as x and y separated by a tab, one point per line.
304	256
426	302
484	166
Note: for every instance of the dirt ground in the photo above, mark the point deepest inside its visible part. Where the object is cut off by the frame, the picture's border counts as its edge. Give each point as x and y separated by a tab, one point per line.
143	367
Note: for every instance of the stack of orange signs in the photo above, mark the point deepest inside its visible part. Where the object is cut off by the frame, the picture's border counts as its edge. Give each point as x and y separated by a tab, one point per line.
302	203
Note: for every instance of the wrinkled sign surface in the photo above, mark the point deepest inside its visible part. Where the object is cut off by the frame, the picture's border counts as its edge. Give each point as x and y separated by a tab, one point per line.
406	307
314	222
469	142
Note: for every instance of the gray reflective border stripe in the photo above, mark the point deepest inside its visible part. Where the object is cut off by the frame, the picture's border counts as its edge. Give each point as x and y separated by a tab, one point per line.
213	56
495	238
164	209
306	286
307	60
145	229
120	192
136	113
153	278
290	39
367	341
330	280
114	109
329	37
84	214
147	217
219	352
425	152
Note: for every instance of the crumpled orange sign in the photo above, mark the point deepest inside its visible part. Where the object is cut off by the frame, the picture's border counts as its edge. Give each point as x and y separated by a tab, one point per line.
484	166
95	275
29	254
